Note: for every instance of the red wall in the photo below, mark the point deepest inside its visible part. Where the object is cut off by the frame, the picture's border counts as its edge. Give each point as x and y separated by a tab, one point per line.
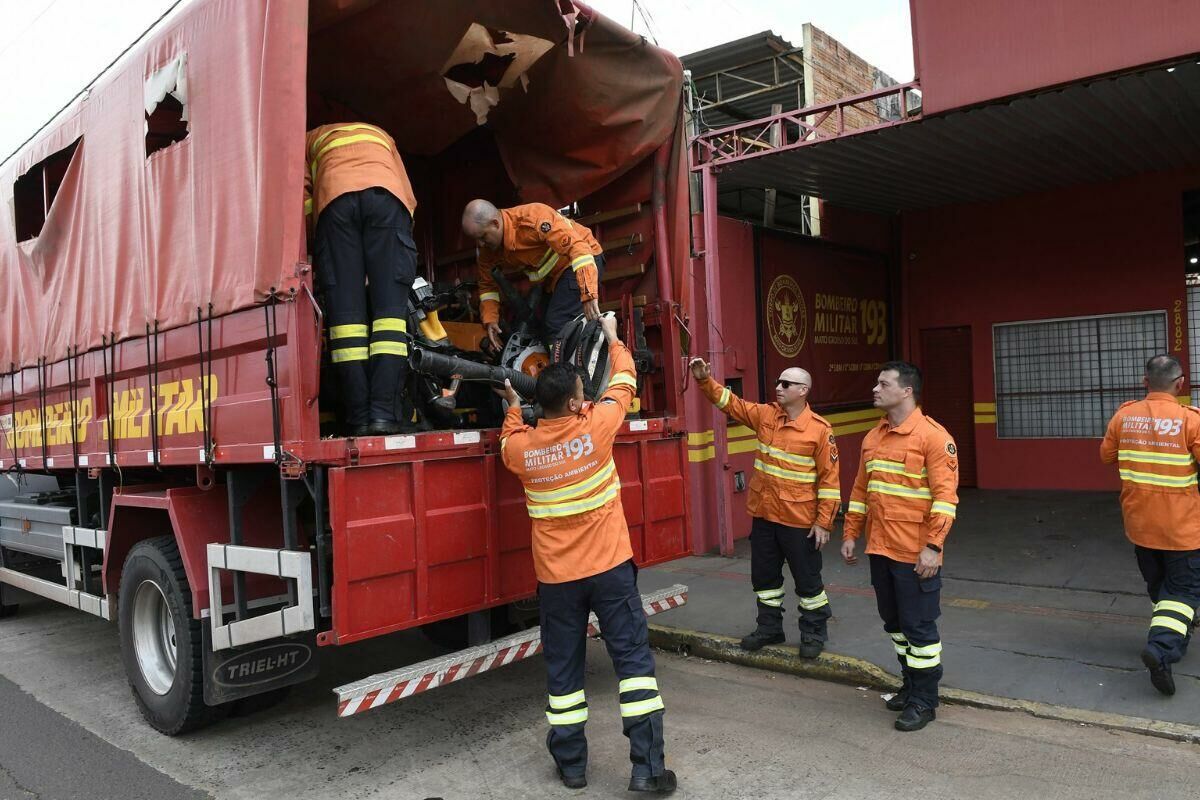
1109	248
971	51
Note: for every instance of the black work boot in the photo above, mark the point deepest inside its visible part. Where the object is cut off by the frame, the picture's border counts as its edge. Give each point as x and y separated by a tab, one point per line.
810	648
913	718
383	427
760	639
572	781
1160	673
657	784
898	701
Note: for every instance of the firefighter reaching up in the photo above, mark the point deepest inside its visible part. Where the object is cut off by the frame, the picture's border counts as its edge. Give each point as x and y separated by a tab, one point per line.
584	562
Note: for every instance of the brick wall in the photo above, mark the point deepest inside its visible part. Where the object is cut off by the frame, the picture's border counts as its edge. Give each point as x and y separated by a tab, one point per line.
832	71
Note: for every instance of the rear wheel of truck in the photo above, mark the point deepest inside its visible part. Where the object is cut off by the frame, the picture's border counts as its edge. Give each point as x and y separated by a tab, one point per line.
160	642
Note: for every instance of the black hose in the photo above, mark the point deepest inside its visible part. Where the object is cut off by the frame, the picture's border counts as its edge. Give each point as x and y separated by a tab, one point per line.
430	363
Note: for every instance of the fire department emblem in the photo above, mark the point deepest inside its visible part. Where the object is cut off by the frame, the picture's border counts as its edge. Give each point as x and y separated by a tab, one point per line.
787	319
951	449
545	227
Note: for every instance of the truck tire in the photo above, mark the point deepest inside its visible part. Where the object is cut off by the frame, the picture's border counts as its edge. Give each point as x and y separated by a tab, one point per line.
161	645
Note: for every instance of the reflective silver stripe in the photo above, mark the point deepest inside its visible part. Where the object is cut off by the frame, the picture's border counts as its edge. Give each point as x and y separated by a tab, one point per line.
829	494
1176	606
544	266
1150	479
579	507
783	455
895	489
560	702
1170	622
899	644
723	400
924	657
622	379
814	602
582	261
574	490
785	473
857	507
567	717
636	684
640	707
942	507
894	467
771	592
492	296
1151	457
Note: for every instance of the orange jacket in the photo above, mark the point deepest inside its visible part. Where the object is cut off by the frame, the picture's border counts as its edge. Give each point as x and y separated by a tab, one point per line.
572	491
544	243
1155	443
795	479
349	157
906	492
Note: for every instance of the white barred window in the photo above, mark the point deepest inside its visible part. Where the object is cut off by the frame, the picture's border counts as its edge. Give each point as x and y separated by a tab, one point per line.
1065	378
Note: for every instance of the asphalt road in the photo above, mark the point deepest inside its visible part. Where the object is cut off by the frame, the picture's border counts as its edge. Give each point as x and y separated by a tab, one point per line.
68	728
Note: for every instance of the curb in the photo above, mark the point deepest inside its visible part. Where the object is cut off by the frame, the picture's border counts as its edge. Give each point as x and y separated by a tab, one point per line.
857	672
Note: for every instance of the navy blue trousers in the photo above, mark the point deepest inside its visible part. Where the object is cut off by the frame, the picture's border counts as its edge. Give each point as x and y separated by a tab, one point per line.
909	608
772	544
1173	583
613	596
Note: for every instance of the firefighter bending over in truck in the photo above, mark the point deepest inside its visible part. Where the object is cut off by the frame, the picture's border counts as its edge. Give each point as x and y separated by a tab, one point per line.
547	247
795	493
1155	443
363	204
584	562
905	498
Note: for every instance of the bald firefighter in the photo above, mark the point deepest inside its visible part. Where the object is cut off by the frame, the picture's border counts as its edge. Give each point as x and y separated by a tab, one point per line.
362	202
548	248
794	496
905	498
584	562
1155	443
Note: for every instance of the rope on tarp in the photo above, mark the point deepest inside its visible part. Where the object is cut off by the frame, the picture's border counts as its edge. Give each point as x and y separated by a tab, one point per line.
272	380
205	355
43	368
152	383
73	400
110	369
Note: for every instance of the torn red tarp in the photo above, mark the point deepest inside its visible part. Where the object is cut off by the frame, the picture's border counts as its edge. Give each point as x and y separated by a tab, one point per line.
216	218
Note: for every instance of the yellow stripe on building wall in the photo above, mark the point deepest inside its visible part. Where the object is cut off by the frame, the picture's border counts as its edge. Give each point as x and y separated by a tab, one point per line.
985	413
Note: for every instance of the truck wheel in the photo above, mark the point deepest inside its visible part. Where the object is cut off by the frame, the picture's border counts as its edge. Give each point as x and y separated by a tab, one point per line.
160	642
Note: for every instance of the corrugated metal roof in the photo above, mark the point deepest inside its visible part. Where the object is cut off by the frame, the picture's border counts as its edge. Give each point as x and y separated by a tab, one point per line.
1084	133
738	58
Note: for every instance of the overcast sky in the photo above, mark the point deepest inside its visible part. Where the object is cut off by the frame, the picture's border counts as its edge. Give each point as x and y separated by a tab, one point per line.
51	49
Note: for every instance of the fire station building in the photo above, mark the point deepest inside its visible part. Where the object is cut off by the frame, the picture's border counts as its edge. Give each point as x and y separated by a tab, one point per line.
1022	221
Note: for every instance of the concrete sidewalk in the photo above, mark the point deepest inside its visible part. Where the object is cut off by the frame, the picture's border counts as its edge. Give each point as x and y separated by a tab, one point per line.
1041	601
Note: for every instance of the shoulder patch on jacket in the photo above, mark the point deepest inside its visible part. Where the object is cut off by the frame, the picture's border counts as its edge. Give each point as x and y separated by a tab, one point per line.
951	450
545	227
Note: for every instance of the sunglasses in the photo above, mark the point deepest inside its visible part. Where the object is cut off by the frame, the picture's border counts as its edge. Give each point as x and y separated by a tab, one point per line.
789	384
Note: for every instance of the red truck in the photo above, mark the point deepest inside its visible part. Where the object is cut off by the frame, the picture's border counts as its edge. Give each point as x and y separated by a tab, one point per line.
162	344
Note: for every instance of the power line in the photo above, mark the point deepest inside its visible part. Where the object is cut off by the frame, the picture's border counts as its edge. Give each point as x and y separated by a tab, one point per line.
25	30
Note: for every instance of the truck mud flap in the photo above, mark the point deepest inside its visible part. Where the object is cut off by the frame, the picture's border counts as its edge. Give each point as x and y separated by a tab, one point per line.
238	672
388	687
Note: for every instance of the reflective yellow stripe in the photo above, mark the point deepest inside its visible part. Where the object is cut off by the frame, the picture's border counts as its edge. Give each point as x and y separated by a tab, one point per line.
895	489
856	507
361	126
783	455
894	467
942	507
582	261
567	717
922	663
347	331
503	443
560	702
1176	606
829	494
571	509
899	637
926	651
786	474
345	140
1170	622
1149	457
636	684
389	349
901	649
349	354
723	400
814	602
544	266
622	379
1150	479
390	324
492	296
641	707
575	490
308	206
765	593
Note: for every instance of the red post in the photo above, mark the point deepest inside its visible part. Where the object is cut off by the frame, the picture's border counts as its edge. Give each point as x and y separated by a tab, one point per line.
716	346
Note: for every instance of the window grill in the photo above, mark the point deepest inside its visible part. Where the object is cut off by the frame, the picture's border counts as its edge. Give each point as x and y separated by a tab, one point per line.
1065	378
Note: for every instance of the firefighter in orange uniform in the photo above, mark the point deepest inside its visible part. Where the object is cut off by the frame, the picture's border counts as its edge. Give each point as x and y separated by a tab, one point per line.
584	562
905	498
795	493
360	196
1155	443
547	247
